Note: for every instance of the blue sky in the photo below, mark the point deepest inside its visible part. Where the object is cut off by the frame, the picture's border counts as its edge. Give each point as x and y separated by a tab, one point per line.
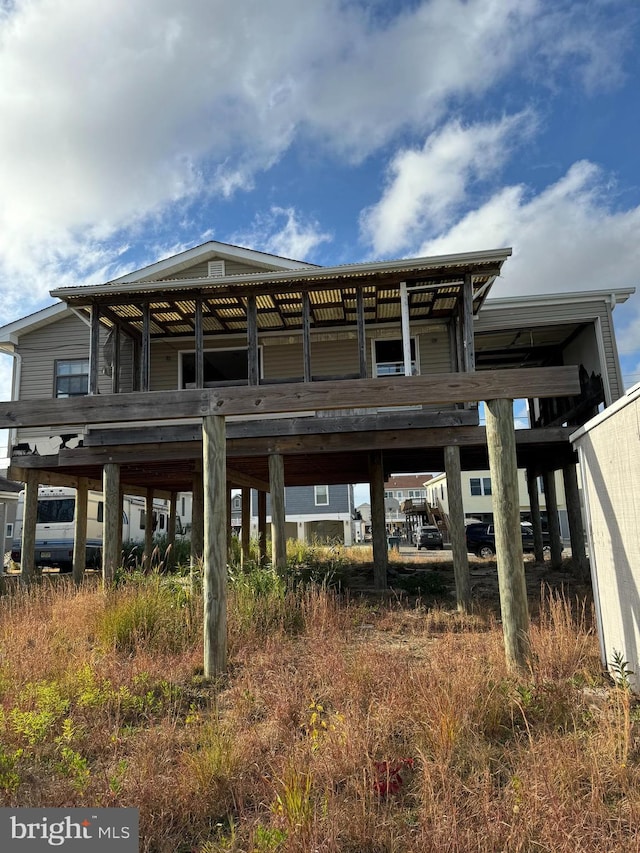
330	131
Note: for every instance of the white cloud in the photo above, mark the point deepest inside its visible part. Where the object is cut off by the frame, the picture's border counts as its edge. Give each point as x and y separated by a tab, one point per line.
426	187
284	232
114	112
565	238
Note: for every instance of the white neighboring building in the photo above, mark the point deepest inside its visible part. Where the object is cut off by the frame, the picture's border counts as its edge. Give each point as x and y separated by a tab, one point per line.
477	497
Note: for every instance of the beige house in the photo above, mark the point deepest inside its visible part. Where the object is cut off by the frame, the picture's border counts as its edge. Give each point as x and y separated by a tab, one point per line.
226	368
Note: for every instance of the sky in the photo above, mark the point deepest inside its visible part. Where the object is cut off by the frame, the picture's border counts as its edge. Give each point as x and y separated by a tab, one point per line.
330	131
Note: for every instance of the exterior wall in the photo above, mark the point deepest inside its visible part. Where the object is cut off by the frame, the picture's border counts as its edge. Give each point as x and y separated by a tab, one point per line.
309	521
494	317
609	451
477	506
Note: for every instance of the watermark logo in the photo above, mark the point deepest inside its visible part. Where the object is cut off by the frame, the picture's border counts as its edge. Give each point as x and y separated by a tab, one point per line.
70	830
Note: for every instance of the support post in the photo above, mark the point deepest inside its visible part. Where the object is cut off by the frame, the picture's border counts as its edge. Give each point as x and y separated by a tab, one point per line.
80	530
378	522
197	524
170	557
145	348
115	366
215	545
553	522
198	330
406	328
148	531
29	521
576	525
111	528
229	519
262	526
245	543
467	325
461	573
278	534
536	522
501	444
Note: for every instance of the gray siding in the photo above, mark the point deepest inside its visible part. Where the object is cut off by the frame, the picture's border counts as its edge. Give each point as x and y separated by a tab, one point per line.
201	269
299	500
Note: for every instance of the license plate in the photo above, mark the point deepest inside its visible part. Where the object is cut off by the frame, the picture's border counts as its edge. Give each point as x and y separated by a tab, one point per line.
44	554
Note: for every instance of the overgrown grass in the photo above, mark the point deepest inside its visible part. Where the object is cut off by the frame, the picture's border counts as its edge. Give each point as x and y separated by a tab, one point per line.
344	725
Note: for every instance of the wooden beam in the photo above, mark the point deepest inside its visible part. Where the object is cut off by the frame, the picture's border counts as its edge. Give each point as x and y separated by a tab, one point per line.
80	531
378	522
29	520
457	529
362	335
306	337
171	532
245	400
112	522
145	349
252	342
199	343
467	324
215	546
576	524
534	506
245	536
197	522
553	522
506	516
94	349
278	517
115	366
148	530
262	526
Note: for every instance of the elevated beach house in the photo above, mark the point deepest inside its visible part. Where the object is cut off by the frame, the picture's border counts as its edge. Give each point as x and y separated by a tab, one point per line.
223	367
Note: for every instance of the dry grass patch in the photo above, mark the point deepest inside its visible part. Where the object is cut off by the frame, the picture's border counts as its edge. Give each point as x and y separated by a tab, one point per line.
343	725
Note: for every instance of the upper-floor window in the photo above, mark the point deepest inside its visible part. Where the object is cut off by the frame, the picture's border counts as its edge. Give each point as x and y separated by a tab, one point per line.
321	494
9	531
220	365
480	485
389	357
71	377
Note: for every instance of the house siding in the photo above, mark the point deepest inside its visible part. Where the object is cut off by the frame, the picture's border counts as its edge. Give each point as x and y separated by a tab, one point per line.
496	318
201	270
299	501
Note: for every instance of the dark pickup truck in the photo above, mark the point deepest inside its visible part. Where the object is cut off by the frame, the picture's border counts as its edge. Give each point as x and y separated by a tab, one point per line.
481	539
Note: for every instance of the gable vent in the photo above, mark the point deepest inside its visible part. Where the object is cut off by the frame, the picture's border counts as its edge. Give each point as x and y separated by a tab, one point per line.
215	269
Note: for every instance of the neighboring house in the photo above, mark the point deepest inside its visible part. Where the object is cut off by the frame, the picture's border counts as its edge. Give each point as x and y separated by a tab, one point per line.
315	514
477	497
9	492
320	376
398	490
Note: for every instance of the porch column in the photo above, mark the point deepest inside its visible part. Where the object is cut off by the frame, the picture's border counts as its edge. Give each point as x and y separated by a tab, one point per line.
262	526
452	468
215	545
278	534
112	526
80	530
362	334
229	520
253	356
245	543
170	557
148	531
199	343
467	325
115	365
197	523
29	521
536	522
406	328
378	522
553	522
145	349
94	349
306	337
576	525
501	444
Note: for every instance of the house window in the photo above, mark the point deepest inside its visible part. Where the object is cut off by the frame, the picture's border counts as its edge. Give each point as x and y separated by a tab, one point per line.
321	494
389	357
72	378
480	485
220	365
9	531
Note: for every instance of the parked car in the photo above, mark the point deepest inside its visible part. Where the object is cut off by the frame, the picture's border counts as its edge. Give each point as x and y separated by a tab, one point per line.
429	537
481	539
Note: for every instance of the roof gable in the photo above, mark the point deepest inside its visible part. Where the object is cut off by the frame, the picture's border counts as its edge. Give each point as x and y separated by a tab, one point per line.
212	250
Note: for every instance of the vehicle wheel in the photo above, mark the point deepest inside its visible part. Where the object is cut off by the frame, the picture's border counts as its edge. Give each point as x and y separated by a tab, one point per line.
485	551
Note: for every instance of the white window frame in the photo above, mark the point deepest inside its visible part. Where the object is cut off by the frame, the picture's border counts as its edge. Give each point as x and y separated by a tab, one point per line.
317	494
57	376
